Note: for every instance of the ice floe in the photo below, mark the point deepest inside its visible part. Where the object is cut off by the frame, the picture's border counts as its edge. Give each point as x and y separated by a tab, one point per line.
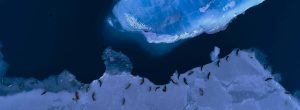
235	82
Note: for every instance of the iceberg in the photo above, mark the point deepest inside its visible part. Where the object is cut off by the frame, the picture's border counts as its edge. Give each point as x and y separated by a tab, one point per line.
116	62
235	82
167	21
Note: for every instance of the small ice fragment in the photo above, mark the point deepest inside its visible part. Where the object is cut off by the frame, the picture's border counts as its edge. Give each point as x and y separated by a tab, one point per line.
116	62
214	55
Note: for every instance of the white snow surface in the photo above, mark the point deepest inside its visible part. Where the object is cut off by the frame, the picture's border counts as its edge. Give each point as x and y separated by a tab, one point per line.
236	82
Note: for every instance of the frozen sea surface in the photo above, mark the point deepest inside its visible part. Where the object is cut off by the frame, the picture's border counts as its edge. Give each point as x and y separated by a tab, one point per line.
236	82
167	21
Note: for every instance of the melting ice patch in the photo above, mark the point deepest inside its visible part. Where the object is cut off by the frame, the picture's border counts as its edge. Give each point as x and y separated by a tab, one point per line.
167	21
236	82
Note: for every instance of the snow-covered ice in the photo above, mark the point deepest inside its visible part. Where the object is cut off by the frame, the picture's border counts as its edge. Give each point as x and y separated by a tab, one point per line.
65	81
167	21
235	82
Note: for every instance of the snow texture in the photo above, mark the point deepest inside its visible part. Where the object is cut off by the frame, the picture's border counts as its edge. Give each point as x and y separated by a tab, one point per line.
236	82
167	21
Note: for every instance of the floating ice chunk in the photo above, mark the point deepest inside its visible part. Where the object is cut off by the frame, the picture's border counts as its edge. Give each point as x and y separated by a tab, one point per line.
167	21
116	62
239	82
214	55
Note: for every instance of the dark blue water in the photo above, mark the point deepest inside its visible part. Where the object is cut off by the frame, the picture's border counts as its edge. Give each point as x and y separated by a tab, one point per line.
42	38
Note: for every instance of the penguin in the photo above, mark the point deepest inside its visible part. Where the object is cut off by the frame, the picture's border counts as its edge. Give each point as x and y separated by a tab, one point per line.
208	75
174	82
268	79
145	30
251	57
164	89
201	91
149	89
44	92
87	89
76	96
123	101
157	88
190	73
100	82
128	86
226	58
94	96
201	68
185	81
237	52
218	63
178	75
142	81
